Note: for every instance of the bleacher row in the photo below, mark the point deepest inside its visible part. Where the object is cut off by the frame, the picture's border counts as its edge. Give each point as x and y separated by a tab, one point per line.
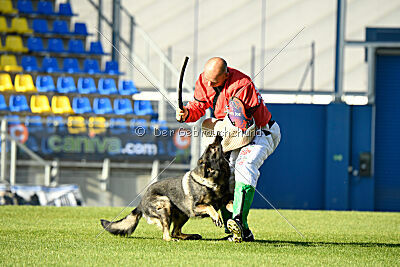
80	94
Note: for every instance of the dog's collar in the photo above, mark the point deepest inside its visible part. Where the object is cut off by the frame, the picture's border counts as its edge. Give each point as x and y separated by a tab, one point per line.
197	178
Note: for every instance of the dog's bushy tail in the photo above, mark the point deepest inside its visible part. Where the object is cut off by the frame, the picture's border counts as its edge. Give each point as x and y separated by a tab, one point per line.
125	226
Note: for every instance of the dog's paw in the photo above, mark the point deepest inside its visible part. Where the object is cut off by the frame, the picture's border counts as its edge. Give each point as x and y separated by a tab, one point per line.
218	222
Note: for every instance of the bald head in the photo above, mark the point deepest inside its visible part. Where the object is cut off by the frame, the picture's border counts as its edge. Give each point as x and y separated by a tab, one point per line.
215	71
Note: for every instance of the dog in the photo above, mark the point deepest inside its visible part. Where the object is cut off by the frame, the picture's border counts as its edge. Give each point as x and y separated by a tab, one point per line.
199	193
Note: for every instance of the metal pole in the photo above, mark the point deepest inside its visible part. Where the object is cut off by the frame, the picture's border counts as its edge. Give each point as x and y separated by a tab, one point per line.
116	16
262	55
340	34
312	65
3	163
105	174
47	174
131	36
13	162
168	76
162	104
252	61
155	169
371	74
99	19
195	38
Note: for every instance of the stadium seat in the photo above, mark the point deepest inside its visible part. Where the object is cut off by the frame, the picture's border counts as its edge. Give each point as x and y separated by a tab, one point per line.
76	124
86	86
134	123
64	9
107	86
60	27
18	103
34	123
9	63
29	63
91	66
1	46
76	46
25	6
3	24
102	106
50	65
96	48
35	44
66	85
54	123
112	68
71	65
23	83
143	107
40	104
127	88
118	125
6	82
14	44
6	7
158	124
45	8
55	45
80	29
3	104
61	105
122	106
97	125
40	26
45	84
20	25
81	105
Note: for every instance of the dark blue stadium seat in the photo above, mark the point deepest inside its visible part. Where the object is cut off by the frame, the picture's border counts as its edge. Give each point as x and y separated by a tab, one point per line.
102	106
160	125
80	29
81	105
34	123
86	86
71	65
45	8
35	44
50	64
112	68
76	46
3	104
60	27
12	119
45	84
25	6
96	48
127	87
107	86
55	45
66	85
18	103
134	123
118	125
123	106
54	122
29	63
143	107
64	9
40	26
91	66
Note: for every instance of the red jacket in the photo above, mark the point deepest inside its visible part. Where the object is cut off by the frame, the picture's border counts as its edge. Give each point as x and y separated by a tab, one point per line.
204	98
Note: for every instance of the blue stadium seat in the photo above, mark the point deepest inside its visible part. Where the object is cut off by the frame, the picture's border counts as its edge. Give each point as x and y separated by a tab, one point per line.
45	8
54	122
123	106
107	86
118	125
66	85
34	123
3	104
25	6
127	87
158	124
35	44
71	65
134	123
12	119
96	48
18	103
91	66
50	64
55	45
45	84
112	68
60	27
76	46
40	26
143	107
80	29
29	63
81	105
64	9
86	86
102	106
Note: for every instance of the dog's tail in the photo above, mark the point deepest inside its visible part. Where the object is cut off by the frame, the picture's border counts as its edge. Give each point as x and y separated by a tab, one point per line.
125	226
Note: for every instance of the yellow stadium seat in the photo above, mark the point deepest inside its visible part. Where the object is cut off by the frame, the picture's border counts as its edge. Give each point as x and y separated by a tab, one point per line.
7	8
3	24
97	125
9	63
6	82
1	46
14	44
61	105
40	104
76	124
20	25
24	83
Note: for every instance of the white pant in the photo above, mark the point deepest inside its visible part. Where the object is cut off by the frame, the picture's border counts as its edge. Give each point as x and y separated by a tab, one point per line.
248	159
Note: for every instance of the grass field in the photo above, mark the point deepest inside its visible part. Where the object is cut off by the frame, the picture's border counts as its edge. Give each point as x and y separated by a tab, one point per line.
67	236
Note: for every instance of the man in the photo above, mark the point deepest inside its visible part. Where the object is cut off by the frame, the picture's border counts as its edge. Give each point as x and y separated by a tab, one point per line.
233	98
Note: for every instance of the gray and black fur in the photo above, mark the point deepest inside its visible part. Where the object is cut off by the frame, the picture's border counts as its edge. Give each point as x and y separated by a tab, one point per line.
199	193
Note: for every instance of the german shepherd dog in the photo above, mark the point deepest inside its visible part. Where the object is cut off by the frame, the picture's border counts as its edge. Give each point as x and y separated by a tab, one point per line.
199	193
